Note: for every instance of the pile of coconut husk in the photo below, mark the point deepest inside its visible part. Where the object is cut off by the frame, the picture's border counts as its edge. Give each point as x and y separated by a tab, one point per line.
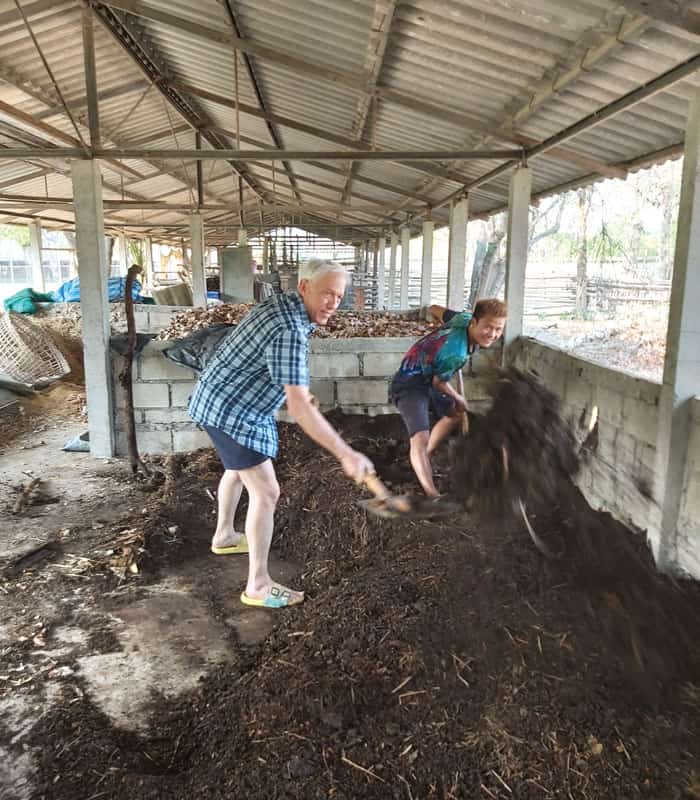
342	325
518	453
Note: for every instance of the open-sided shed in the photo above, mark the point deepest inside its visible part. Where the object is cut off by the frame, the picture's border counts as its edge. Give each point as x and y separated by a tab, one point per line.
371	119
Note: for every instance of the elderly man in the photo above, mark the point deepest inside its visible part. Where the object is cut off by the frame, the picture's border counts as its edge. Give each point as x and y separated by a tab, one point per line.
259	365
421	384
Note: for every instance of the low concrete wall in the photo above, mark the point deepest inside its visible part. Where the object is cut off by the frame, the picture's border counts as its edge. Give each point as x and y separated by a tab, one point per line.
349	374
621	473
148	318
689	522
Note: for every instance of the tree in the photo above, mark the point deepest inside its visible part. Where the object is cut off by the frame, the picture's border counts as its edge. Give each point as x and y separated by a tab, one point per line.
584	198
18	233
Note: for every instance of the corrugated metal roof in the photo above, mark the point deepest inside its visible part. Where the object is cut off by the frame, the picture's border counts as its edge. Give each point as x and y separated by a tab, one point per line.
454	74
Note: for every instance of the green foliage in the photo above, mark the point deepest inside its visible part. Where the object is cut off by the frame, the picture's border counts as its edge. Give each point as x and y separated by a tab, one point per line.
18	233
134	250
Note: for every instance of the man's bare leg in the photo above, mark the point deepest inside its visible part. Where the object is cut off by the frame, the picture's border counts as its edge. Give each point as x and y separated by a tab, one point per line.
420	461
263	493
228	494
443	427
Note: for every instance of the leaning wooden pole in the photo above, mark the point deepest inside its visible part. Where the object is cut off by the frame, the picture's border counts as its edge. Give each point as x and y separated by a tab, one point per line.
125	375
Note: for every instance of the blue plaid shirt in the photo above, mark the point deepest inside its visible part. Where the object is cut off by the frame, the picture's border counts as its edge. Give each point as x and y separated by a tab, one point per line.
243	385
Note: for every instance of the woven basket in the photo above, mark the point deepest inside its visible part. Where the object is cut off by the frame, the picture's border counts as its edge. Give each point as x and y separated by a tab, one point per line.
27	353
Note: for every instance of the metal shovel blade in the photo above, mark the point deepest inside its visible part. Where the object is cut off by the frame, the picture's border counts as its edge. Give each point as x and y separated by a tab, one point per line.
411	507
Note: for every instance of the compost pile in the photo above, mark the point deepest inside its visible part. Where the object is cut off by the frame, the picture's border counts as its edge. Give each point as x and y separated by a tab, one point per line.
430	660
521	450
197	318
363	324
342	325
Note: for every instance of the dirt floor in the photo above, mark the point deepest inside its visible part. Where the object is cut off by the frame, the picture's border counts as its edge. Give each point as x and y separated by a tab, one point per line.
443	659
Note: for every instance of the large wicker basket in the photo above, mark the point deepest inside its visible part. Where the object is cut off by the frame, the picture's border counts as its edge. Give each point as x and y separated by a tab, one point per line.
27	353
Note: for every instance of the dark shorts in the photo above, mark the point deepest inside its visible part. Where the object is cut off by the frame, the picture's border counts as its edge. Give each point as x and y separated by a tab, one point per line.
232	454
415	405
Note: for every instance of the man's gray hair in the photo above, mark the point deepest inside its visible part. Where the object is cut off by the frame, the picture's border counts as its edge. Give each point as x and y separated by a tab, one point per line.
315	267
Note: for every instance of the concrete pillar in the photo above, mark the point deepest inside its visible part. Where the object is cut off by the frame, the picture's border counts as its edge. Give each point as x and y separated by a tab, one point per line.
393	244
516	252
148	262
123	255
426	275
381	274
199	279
405	247
681	381
265	255
35	256
237	283
93	271
459	213
242	237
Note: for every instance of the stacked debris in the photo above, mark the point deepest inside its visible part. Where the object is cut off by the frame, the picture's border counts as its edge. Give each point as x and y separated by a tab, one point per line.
342	325
195	319
518	453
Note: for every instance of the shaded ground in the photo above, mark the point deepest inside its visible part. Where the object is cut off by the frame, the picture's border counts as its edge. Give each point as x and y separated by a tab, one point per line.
444	660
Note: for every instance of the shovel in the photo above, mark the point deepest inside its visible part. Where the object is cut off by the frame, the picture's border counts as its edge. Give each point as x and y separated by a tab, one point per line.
386	505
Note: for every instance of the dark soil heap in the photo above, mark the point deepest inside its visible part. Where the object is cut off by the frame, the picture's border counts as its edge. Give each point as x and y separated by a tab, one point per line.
430	659
520	450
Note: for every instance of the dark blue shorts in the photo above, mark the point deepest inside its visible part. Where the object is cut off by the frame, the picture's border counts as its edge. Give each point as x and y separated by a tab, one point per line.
415	405
232	454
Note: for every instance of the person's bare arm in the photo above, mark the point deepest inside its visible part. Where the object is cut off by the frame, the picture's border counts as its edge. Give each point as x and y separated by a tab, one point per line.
301	406
446	388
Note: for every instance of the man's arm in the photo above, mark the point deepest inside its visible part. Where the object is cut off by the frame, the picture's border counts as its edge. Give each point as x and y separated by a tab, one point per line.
314	424
446	388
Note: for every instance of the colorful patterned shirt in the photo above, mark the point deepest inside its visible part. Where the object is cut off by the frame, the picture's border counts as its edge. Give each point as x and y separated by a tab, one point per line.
441	352
243	385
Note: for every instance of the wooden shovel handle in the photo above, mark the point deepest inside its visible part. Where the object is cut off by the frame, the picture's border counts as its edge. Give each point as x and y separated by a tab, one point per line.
374	484
465	416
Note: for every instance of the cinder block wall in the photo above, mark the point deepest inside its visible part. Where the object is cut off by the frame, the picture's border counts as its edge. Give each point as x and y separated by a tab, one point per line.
621	475
689	523
350	374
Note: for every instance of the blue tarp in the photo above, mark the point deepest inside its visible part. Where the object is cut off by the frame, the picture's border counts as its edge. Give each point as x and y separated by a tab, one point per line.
69	292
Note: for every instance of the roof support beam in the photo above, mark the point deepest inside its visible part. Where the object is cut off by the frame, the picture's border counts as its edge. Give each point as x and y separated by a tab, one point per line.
360	83
374	60
122	31
90	75
305	155
671	12
261	155
669	78
274	135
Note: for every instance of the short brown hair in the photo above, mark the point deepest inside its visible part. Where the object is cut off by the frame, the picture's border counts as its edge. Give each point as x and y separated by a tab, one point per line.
490	307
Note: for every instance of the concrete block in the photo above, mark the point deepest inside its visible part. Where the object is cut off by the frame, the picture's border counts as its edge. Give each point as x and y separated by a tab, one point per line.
389	344
151	395
338	365
154	442
166	415
362	392
381	364
180	394
609	404
476	389
646	455
641	419
323	391
578	392
156	367
380	410
625	451
607	437
186	441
